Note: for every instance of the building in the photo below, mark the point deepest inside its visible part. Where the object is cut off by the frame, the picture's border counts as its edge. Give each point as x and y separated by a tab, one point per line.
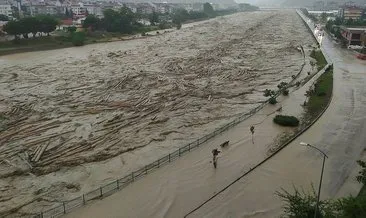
354	35
351	12
5	9
78	10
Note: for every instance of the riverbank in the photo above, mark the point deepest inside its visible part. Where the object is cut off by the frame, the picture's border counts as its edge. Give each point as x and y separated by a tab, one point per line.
64	41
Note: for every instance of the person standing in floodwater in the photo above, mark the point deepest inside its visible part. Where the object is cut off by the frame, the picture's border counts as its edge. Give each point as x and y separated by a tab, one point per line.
215	152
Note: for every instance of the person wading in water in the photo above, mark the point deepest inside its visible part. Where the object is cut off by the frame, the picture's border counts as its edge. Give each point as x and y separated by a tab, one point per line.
215	152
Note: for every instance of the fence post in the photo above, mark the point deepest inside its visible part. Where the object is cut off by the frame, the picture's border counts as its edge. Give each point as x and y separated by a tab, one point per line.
63	204
179	152
117	184
169	157
101	192
83	199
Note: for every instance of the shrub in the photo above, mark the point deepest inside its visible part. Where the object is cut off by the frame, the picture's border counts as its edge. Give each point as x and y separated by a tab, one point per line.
268	93
282	85
78	38
285	92
272	100
284	120
143	34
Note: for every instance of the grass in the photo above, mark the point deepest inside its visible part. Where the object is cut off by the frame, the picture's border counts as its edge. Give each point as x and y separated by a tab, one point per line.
320	96
319	57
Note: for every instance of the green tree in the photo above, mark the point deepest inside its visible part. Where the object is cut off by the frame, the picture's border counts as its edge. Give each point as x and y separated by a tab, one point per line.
154	18
71	29
92	22
47	24
208	9
323	17
78	38
122	21
3	17
31	25
13	28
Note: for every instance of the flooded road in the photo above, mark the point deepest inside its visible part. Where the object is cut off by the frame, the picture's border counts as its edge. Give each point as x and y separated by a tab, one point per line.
182	186
86	116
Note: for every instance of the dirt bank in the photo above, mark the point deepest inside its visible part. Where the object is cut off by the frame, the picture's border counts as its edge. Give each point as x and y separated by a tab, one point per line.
69	111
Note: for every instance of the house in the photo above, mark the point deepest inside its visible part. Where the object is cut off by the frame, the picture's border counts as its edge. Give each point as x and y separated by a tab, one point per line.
351	12
354	35
5	9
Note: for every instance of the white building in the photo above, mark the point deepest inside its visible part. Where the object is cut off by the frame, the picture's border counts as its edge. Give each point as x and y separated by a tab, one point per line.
5	9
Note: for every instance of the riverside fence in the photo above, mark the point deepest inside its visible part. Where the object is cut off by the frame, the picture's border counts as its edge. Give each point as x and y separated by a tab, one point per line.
118	184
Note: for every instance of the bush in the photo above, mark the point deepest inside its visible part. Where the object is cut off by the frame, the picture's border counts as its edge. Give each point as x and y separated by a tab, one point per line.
284	120
143	34
285	92
78	38
268	93
272	100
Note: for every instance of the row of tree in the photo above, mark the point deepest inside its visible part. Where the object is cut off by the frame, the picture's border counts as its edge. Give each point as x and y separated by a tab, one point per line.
122	21
25	26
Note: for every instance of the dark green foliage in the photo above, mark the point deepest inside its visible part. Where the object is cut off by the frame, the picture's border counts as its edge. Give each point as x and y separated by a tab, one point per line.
47	23
282	85
268	93
272	100
285	92
143	34
361	177
92	22
123	21
3	17
78	38
285	120
154	18
302	205
24	26
319	97
71	29
13	28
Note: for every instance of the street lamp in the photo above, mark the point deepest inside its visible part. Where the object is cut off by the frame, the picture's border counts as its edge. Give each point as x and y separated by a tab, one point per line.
321	175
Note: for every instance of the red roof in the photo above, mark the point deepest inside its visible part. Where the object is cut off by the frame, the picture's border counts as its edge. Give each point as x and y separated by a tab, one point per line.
67	22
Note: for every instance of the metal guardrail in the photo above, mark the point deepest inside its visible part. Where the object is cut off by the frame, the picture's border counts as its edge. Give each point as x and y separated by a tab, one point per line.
108	189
